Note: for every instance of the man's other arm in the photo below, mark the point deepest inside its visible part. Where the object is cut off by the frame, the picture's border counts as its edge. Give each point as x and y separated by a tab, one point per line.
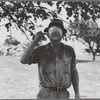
75	76
75	82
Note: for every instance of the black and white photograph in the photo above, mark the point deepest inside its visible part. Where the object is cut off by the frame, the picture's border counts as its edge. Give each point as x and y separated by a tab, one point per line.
49	49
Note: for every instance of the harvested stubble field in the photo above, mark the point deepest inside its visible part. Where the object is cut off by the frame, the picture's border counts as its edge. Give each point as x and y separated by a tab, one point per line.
18	81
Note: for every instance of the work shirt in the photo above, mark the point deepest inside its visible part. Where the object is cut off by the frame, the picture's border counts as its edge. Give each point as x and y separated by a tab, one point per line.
54	68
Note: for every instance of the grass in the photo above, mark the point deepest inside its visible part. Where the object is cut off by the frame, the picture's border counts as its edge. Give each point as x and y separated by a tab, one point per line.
18	81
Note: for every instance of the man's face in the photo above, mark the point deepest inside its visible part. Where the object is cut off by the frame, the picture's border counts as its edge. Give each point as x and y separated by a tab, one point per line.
55	33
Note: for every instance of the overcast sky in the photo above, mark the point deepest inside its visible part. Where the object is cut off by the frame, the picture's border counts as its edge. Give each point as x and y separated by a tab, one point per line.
20	36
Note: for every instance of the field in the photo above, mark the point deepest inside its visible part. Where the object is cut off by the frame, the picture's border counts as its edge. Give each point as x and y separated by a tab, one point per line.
18	81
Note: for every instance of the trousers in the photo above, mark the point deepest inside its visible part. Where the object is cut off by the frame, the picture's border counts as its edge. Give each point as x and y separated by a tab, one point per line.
46	93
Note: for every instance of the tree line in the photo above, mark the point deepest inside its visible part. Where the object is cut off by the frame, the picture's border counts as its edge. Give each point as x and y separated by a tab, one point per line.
83	26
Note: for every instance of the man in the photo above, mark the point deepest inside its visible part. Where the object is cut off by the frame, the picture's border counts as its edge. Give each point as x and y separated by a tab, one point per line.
56	63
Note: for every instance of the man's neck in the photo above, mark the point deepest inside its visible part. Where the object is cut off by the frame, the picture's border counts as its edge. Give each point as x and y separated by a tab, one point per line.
56	46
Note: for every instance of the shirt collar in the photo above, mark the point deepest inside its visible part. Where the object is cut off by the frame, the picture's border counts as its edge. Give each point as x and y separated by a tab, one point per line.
49	47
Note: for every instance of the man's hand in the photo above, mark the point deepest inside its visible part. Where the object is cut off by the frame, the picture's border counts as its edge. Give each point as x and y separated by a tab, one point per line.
39	35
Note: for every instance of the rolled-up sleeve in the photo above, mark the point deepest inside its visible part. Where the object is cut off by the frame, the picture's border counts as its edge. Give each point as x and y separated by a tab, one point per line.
73	62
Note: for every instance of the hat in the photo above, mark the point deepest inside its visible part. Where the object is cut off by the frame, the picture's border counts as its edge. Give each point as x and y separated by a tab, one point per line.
58	23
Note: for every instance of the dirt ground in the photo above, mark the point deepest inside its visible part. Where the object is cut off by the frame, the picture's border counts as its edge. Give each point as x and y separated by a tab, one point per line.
18	81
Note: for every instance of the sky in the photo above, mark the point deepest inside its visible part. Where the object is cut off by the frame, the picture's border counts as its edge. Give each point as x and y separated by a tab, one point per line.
20	36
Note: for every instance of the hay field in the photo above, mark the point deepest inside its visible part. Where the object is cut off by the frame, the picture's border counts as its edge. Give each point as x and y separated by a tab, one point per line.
18	81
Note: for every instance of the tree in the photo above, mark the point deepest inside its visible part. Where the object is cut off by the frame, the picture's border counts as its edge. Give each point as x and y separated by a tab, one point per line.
24	14
87	29
89	33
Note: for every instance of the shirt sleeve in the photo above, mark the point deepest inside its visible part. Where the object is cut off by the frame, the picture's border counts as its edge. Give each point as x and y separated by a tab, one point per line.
35	57
73	62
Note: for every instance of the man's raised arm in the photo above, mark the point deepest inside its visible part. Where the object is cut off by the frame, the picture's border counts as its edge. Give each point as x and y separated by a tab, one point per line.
28	52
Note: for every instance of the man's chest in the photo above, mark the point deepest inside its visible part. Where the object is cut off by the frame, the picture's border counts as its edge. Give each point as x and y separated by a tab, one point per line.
55	63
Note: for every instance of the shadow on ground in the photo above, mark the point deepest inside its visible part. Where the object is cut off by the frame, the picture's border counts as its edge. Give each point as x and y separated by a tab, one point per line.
83	61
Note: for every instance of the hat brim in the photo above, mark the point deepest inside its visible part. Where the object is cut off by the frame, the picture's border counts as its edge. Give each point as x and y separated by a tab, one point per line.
64	30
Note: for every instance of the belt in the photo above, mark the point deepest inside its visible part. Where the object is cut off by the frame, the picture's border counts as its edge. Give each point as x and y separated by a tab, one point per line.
58	89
